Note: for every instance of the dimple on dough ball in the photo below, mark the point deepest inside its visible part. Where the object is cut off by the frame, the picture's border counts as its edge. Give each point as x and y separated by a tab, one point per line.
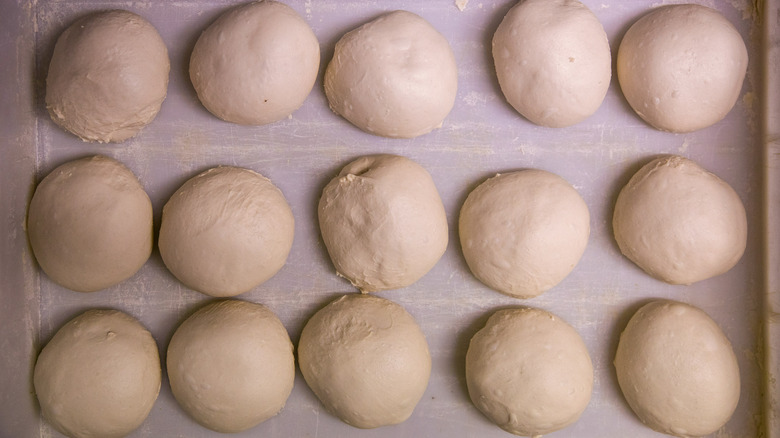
366	360
681	67
394	76
226	231
680	223
383	222
552	60
523	232
255	64
677	369
90	224
231	365
108	76
529	372
99	376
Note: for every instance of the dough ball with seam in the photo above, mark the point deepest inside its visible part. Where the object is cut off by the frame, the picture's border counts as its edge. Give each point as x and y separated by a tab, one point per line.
108	76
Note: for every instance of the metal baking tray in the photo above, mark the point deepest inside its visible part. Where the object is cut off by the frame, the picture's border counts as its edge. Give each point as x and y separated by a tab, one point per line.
481	136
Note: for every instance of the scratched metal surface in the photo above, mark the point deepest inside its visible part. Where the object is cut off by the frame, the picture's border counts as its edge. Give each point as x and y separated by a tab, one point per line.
481	136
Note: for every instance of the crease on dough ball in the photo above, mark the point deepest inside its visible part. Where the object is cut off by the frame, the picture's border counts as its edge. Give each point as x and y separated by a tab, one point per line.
366	360
383	222
394	76
108	76
680	223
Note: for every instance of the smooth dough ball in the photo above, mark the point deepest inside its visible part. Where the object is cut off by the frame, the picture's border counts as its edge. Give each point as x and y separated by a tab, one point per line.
90	224
255	64
231	365
226	231
366	360
677	369
383	222
680	223
523	232
108	76
553	61
681	67
394	76
99	376
529	372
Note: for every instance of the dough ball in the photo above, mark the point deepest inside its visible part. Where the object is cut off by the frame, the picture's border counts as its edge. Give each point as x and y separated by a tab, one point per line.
553	61
108	76
681	67
680	223
226	231
99	376
529	372
523	232
366	360
255	64
231	365
394	76
90	224
383	222
677	369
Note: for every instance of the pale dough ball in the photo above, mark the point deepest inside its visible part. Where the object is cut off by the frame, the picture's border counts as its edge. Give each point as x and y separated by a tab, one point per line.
231	365
108	76
366	360
394	76
553	61
383	222
226	231
99	376
681	67
523	232
680	223
677	369
90	224
529	371
255	64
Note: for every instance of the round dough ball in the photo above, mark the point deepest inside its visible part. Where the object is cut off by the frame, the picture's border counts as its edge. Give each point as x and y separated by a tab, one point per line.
108	76
680	223
226	231
255	64
383	222
529	372
394	76
231	365
90	224
99	376
366	360
553	61
523	232
677	370
681	67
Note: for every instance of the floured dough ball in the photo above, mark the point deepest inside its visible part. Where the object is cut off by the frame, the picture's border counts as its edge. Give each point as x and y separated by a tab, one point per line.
677	369
108	76
90	224
680	223
383	222
366	360
529	372
255	64
681	67
99	376
226	231
523	232
231	365
394	76
553	61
